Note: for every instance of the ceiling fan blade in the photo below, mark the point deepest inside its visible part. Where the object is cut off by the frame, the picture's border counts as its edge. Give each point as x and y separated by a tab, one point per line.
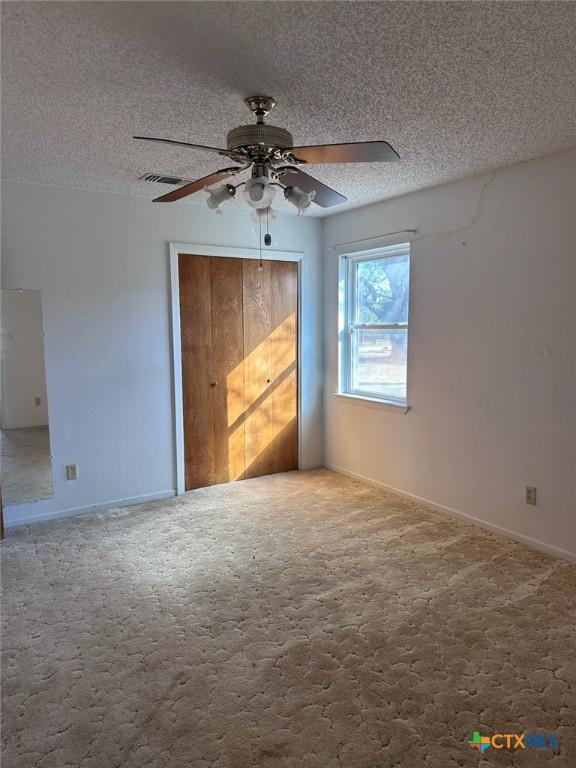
356	152
325	196
185	144
195	186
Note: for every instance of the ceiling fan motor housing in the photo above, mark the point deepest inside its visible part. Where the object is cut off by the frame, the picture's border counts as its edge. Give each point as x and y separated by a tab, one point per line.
261	134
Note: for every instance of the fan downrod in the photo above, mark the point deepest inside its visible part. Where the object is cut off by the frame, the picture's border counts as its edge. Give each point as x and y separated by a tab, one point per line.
260	106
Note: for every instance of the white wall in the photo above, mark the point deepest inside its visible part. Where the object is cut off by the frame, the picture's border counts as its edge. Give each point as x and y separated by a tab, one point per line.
492	351
23	376
102	263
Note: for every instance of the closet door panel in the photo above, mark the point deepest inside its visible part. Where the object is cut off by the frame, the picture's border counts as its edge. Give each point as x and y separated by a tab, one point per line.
239	368
257	299
284	366
196	340
227	385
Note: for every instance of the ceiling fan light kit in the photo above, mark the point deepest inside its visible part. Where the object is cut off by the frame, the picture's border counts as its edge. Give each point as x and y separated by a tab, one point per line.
268	152
220	195
299	198
258	192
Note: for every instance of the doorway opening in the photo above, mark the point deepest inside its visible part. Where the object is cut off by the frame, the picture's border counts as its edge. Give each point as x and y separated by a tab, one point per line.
236	345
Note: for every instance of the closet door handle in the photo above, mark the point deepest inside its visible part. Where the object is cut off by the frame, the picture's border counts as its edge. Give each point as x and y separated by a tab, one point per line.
214	384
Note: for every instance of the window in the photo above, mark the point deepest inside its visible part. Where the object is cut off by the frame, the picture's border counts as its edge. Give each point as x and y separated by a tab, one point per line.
374	323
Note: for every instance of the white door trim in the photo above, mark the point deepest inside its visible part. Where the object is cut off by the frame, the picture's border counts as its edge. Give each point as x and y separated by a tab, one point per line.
224	251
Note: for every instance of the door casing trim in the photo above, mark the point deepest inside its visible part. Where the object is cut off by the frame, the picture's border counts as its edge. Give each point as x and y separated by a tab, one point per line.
223	251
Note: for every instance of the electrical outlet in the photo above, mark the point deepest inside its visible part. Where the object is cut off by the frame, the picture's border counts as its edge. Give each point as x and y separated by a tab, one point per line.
530	495
71	471
37	401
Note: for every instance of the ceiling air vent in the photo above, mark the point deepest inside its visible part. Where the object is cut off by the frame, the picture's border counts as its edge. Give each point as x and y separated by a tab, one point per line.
160	179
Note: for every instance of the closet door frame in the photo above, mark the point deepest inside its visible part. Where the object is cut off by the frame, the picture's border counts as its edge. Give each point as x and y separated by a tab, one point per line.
223	251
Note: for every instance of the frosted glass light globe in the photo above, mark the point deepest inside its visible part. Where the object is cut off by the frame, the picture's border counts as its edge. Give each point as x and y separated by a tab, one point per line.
258	193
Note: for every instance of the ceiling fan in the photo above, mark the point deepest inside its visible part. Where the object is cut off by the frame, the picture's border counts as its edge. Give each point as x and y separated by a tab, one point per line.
269	153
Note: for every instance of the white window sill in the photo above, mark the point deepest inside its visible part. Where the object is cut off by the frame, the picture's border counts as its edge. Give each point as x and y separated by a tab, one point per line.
373	402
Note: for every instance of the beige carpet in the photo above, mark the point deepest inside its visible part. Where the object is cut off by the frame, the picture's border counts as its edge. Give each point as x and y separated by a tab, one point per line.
300	620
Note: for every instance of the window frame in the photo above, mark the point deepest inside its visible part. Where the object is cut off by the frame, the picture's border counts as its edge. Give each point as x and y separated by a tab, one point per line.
347	301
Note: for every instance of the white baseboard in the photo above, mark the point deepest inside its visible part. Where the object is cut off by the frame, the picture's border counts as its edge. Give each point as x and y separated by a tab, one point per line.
11	520
549	549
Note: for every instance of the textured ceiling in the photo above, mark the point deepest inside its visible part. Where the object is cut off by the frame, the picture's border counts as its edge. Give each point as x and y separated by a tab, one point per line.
456	88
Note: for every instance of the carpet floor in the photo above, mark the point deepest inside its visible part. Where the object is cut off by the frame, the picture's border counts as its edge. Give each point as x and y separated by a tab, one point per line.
304	620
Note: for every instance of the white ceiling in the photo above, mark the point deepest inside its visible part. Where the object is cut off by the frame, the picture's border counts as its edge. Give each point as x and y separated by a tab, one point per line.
456	87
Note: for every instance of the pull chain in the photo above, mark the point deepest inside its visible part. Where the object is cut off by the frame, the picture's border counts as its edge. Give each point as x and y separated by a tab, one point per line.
260	265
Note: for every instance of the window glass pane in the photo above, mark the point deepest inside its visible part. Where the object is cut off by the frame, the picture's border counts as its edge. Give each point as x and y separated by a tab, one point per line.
382	290
379	362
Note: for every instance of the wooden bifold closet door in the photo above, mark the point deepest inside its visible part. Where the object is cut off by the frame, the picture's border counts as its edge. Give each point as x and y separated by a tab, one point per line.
239	368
